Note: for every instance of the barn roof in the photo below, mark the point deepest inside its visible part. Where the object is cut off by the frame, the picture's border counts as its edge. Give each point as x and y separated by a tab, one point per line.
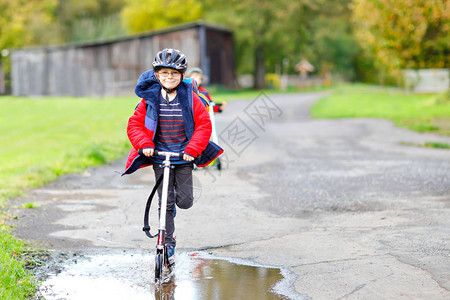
150	33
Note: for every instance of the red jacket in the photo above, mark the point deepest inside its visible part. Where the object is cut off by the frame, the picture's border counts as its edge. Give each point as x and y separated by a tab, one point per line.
142	124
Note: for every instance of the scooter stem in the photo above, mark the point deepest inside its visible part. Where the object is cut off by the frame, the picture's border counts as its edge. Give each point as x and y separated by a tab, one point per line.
165	188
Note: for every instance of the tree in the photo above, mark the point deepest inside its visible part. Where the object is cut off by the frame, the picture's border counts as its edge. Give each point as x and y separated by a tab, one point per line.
331	46
152	14
41	22
403	33
89	19
266	31
26	23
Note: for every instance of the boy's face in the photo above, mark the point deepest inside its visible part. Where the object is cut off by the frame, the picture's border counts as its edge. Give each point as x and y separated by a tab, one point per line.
197	77
169	78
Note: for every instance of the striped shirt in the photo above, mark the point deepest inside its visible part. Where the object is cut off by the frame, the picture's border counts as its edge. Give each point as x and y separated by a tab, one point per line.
170	134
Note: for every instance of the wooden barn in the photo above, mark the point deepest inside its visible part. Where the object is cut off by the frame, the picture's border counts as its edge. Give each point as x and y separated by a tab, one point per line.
112	67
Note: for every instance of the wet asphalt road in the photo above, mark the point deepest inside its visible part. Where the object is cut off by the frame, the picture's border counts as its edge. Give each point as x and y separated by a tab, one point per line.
344	204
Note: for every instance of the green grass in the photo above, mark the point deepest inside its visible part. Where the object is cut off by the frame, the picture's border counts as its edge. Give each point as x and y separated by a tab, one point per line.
437	145
29	205
43	138
423	113
15	281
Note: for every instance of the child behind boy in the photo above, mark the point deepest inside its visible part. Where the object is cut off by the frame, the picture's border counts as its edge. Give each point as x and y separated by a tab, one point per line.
197	75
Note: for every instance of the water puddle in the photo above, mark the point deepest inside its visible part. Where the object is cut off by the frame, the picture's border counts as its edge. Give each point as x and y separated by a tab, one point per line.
196	276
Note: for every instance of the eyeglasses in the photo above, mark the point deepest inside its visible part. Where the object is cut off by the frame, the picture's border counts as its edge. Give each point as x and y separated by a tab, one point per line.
173	74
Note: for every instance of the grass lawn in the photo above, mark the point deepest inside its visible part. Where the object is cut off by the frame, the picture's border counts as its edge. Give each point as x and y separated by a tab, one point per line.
43	138
421	113
15	281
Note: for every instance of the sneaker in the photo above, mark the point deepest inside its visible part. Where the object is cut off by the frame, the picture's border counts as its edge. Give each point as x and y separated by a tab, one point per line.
171	255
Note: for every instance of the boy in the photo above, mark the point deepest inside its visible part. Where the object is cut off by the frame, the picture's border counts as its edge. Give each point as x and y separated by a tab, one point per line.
197	75
170	117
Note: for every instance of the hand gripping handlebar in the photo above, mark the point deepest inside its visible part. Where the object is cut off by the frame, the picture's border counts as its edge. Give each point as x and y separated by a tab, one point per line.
163	153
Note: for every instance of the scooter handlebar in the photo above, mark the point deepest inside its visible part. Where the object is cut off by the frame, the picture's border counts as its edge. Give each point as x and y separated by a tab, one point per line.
165	153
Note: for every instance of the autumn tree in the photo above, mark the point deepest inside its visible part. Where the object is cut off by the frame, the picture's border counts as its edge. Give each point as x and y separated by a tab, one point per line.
26	23
142	15
41	22
403	33
80	20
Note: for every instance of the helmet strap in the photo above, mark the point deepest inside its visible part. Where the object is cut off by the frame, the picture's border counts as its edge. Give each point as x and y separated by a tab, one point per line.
168	92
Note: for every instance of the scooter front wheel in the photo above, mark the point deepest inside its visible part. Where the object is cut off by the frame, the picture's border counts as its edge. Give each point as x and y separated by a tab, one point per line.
159	264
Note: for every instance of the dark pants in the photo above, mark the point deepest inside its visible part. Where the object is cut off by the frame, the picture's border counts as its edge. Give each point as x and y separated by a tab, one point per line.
180	193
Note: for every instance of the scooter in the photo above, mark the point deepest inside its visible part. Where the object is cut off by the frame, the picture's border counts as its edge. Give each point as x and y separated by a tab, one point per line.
162	263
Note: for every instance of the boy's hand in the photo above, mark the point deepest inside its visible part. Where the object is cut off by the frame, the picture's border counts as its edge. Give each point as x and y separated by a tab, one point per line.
148	151
187	157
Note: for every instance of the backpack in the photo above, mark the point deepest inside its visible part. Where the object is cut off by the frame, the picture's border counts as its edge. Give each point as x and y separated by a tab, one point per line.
202	97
